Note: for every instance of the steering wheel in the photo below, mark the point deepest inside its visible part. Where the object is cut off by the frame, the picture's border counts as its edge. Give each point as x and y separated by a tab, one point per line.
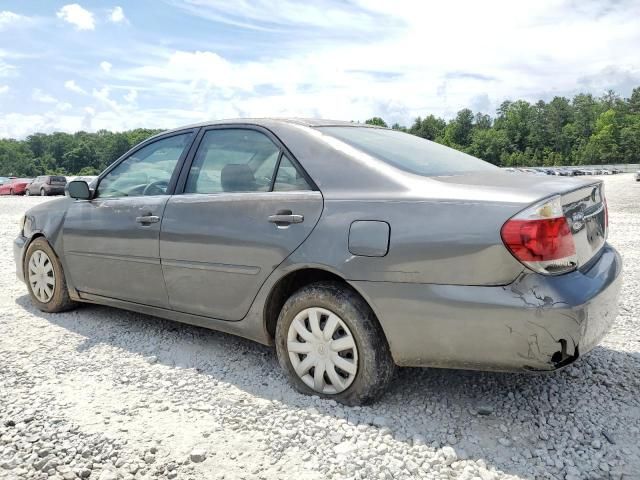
159	187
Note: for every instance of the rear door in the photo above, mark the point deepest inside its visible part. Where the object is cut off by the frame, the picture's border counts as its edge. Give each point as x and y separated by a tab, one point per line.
245	206
111	243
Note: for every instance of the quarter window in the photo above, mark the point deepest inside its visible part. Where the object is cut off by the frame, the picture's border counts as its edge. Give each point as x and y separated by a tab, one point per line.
147	171
233	160
289	178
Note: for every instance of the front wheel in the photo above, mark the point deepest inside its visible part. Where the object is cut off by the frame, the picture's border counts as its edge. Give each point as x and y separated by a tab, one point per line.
27	192
45	278
330	344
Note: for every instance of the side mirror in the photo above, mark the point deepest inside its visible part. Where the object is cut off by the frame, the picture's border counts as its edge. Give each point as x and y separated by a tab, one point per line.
79	190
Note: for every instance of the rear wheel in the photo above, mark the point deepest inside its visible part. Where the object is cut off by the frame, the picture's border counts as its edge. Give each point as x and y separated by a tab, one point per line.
11	192
330	344
42	192
45	278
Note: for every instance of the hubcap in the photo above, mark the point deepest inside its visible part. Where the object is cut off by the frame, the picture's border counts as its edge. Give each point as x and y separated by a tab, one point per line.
42	277
322	350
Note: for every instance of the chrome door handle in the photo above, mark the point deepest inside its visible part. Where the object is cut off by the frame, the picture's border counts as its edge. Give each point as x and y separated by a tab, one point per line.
148	219
282	218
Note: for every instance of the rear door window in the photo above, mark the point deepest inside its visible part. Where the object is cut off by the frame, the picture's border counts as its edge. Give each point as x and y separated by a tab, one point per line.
233	160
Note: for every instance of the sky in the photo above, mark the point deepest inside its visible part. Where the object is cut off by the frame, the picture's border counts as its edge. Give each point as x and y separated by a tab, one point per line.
165	63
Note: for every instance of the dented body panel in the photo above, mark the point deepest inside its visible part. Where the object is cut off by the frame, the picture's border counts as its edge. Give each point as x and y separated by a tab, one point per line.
517	327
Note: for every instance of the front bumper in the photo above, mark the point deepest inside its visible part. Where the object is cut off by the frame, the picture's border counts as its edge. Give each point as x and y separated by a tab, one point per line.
536	323
19	247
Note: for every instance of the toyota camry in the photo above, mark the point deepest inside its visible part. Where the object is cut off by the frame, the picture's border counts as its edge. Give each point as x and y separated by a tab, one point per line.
351	248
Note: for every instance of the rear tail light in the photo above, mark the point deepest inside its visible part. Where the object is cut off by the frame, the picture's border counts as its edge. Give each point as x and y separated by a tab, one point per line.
540	238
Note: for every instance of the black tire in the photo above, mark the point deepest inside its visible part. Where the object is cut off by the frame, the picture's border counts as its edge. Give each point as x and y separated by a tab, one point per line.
11	192
43	193
375	365
27	192
60	300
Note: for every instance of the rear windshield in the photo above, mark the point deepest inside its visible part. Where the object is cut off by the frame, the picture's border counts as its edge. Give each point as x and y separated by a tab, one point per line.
59	179
408	152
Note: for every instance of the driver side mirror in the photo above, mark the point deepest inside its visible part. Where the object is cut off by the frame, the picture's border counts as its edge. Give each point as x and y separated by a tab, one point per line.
79	190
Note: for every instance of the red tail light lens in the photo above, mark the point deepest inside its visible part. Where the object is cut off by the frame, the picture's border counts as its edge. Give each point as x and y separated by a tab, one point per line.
540	238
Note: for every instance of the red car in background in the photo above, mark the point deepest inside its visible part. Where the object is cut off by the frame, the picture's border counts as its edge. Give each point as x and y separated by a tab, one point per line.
17	186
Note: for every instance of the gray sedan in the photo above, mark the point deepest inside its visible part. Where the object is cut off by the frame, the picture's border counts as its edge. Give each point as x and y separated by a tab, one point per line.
352	248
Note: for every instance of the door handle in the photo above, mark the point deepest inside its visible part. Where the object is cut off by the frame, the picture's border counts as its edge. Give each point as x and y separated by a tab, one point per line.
285	217
146	219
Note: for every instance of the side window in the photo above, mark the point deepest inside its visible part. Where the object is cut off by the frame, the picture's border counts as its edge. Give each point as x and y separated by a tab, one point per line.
289	178
233	160
147	171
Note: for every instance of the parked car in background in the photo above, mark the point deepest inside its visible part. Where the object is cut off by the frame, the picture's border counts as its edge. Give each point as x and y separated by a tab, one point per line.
352	248
47	185
16	186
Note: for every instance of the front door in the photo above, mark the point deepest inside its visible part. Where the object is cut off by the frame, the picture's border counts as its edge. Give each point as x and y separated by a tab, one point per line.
245	207
111	243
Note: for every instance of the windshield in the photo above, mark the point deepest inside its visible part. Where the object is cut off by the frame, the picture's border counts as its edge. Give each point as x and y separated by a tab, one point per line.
408	152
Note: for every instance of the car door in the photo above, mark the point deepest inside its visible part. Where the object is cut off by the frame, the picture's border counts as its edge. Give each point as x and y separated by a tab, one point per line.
34	187
245	206
111	242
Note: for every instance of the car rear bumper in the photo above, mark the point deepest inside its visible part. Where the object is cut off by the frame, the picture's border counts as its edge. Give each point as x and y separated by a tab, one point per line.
536	323
58	190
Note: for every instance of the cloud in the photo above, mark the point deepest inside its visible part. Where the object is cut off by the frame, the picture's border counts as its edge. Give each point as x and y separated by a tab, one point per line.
116	15
6	69
42	97
74	87
4	89
77	16
132	96
105	66
10	19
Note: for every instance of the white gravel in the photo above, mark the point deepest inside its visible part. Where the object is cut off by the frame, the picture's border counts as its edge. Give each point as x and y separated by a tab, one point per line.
105	394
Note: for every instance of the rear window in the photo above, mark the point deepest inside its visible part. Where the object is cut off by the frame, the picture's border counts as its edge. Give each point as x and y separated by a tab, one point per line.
59	179
408	152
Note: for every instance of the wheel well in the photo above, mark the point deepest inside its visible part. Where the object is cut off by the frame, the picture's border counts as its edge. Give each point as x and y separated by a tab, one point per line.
288	285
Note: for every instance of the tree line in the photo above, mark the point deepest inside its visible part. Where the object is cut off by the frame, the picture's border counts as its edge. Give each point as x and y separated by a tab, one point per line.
583	130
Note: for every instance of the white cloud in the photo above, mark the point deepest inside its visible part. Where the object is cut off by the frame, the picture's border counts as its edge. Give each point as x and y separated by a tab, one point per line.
9	19
6	69
105	66
74	87
63	106
42	97
80	18
4	89
116	15
132	96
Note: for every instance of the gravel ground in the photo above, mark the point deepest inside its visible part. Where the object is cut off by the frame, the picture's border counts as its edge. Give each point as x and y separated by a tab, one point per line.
104	394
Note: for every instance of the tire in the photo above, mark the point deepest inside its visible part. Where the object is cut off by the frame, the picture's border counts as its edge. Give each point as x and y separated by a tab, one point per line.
27	192
371	355
11	192
43	193
59	300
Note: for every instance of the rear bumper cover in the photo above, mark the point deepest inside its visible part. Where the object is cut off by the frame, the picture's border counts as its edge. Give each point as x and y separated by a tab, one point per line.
535	323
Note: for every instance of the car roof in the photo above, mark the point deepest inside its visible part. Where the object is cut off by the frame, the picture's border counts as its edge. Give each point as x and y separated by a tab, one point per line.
267	121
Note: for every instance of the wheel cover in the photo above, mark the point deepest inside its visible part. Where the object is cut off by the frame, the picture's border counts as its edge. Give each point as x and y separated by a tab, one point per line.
42	276
322	350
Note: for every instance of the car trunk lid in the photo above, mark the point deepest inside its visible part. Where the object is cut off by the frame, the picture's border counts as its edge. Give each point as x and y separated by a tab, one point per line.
585	210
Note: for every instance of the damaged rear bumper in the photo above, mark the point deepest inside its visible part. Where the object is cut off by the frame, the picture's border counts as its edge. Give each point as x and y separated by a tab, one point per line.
536	323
